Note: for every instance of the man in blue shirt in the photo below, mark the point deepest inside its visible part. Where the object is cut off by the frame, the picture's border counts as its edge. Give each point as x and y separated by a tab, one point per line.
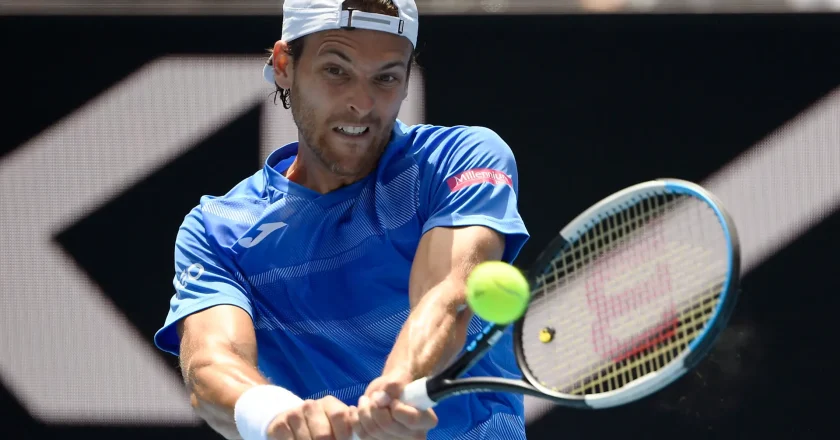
309	295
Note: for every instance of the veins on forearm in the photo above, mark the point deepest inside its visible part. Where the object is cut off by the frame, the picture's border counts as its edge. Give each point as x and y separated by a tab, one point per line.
430	336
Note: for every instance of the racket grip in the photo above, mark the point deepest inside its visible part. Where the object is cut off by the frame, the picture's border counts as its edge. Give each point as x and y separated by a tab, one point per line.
416	394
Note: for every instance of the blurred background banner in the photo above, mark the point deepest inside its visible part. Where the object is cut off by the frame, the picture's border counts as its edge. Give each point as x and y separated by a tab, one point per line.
264	7
121	115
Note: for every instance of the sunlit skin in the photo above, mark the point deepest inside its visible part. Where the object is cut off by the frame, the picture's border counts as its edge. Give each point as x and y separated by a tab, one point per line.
343	78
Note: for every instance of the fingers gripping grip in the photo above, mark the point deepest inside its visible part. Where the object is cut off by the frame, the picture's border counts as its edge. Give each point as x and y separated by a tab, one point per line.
416	395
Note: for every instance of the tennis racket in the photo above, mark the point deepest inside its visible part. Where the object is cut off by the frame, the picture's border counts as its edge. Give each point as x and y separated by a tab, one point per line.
632	294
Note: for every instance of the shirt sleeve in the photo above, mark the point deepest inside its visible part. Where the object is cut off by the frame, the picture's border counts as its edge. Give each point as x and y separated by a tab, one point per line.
475	182
203	279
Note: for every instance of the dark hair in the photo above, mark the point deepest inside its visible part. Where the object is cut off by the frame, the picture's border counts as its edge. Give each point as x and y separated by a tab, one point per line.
295	47
294	50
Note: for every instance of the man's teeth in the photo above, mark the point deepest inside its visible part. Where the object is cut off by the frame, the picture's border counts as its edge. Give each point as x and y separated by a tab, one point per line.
352	130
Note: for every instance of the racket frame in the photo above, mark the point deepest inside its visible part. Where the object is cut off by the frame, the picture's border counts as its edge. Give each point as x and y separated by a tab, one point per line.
427	392
699	347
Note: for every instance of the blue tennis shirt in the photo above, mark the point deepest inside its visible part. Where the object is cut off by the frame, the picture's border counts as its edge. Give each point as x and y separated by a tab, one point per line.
325	276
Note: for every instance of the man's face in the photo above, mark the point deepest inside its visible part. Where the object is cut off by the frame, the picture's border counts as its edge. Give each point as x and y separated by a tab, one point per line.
346	92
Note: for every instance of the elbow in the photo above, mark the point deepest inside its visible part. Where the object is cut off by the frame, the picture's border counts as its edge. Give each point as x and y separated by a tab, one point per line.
197	405
191	378
205	412
218	418
197	373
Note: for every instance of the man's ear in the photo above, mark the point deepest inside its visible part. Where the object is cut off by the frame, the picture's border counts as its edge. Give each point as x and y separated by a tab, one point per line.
280	60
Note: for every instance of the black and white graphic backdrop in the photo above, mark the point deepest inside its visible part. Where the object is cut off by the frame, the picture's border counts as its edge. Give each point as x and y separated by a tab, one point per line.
115	125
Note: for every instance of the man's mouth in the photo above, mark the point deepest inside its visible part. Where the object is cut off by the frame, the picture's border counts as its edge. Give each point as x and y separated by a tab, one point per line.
352	130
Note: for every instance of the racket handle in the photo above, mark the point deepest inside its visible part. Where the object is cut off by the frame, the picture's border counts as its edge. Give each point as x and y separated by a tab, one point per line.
416	395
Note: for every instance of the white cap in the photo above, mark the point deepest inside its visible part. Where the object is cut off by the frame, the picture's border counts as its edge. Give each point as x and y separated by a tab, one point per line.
303	17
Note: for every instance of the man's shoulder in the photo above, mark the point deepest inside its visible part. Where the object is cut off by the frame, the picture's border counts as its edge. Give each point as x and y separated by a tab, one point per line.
428	136
229	215
435	144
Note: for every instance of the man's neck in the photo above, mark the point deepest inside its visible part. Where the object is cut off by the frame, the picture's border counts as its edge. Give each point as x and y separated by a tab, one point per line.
310	172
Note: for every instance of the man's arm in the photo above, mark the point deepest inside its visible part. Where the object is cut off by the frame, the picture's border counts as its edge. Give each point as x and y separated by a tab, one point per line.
436	328
219	362
219	365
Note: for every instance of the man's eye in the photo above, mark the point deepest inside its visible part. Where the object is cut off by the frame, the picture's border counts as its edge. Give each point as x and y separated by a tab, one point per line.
334	70
387	78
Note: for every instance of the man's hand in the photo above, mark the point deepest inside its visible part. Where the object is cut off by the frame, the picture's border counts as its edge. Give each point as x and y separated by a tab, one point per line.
324	419
382	416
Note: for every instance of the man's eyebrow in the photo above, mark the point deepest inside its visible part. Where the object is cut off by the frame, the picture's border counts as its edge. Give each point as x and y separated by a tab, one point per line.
337	53
343	56
393	64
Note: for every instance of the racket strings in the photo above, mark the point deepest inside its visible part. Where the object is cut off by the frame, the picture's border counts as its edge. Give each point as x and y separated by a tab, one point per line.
595	242
577	338
605	236
651	276
667	345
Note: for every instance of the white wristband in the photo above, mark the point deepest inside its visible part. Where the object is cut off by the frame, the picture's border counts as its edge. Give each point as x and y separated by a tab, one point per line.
258	406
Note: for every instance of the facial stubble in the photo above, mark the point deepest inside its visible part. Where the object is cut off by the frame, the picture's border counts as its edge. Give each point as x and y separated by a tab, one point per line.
303	113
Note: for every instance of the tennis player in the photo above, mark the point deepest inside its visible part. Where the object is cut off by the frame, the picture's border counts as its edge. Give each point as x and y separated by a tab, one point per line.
311	293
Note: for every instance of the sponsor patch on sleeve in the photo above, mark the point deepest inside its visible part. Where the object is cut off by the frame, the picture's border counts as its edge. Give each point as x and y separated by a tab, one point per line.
477	176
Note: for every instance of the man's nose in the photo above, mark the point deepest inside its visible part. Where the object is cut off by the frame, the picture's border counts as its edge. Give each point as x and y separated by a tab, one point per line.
361	100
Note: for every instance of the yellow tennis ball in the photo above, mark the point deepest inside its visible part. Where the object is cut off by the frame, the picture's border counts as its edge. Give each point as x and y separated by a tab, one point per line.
497	292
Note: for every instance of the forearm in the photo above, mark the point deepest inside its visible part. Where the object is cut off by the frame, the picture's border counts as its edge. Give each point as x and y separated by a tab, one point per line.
215	380
434	332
